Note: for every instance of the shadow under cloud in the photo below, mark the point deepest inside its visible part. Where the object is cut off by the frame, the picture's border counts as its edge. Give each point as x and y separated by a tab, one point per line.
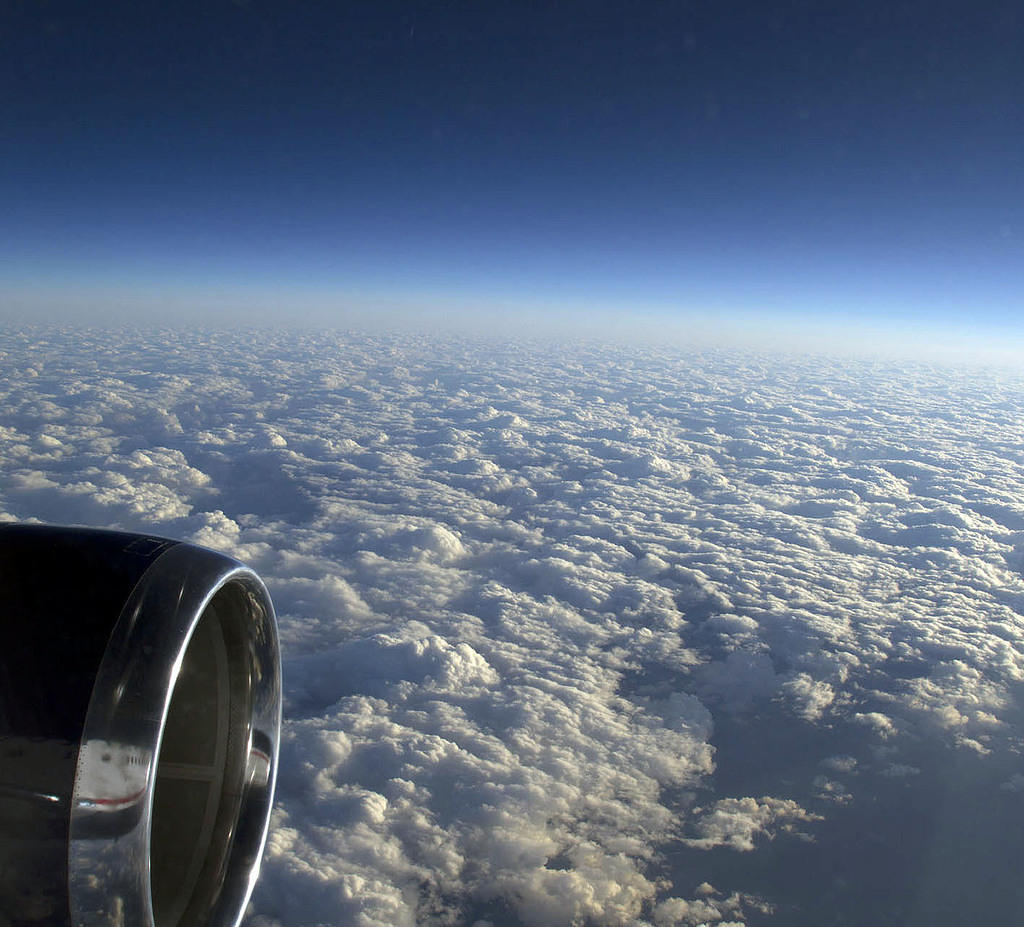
933	839
256	483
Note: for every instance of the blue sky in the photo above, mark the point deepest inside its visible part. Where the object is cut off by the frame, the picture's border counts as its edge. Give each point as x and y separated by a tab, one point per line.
738	159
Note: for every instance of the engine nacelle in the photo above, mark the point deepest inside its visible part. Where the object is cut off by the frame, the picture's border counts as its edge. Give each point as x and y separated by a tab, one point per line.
140	716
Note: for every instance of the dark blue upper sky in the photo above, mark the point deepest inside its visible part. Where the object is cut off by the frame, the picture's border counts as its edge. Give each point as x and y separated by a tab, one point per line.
842	159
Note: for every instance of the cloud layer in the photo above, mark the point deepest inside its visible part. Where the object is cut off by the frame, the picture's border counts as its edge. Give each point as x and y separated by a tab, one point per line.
587	633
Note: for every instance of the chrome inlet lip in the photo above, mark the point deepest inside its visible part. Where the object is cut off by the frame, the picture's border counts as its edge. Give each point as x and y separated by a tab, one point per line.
110	851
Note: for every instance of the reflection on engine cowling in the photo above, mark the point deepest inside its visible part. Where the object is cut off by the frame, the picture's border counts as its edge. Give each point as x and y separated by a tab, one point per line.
112	780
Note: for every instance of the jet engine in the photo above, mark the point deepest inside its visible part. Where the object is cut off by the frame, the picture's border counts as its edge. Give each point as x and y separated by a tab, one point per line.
140	715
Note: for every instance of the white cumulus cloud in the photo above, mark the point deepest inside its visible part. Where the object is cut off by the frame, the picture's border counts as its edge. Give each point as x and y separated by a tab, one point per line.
552	616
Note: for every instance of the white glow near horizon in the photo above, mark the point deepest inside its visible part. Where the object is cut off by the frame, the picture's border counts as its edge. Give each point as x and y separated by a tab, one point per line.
855	333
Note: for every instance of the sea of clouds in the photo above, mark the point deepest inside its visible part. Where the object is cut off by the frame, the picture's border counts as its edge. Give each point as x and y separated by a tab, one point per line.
583	633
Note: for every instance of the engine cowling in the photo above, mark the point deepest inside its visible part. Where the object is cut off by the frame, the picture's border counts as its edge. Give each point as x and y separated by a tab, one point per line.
140	717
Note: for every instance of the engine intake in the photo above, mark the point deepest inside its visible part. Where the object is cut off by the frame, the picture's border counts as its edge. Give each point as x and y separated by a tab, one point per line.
140	716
